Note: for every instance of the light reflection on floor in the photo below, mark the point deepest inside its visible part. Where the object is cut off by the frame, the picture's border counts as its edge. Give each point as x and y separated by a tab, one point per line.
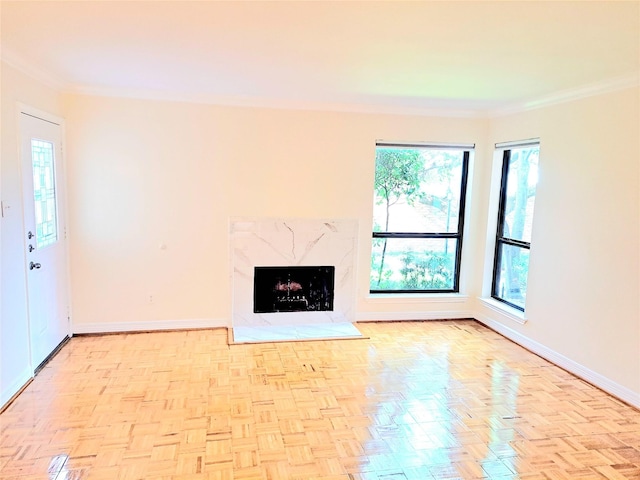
430	432
504	392
57	469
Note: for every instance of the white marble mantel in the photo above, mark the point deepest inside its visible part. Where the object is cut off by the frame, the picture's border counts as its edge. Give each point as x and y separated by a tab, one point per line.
292	242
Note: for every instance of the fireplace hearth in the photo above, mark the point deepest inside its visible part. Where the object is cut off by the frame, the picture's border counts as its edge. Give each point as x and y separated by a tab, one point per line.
293	289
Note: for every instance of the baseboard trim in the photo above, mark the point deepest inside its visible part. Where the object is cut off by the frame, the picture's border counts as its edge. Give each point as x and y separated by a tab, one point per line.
12	391
408	316
600	381
49	357
152	325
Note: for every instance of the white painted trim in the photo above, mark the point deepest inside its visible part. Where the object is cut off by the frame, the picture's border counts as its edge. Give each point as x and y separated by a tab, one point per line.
623	393
408	316
30	69
38	73
153	325
388	109
504	310
41	114
518	144
607	86
278	103
10	390
585	91
423	144
405	298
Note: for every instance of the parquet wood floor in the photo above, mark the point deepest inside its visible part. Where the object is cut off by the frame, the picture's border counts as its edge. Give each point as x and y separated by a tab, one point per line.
416	400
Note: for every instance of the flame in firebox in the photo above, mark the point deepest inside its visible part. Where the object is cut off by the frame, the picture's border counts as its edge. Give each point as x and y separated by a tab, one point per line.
288	287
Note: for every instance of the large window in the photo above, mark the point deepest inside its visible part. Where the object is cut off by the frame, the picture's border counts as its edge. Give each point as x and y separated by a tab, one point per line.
418	216
515	218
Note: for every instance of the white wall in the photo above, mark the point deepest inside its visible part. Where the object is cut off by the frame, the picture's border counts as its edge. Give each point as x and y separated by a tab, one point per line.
15	368
146	174
583	295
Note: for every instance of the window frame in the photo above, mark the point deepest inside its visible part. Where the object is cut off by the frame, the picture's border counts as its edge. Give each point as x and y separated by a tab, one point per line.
458	236
500	239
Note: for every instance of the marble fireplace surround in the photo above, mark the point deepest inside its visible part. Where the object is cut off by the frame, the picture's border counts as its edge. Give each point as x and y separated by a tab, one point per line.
292	242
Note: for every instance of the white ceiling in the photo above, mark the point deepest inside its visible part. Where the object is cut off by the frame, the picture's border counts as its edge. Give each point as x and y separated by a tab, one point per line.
419	56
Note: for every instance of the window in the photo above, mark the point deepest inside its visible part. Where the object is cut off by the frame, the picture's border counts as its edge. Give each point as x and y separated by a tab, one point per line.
418	217
515	218
44	193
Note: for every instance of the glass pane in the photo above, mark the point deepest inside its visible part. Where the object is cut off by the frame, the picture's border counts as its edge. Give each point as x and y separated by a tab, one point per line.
44	193
511	275
417	190
413	264
521	190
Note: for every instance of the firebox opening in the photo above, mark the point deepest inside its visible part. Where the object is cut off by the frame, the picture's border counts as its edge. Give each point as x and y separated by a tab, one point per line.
293	289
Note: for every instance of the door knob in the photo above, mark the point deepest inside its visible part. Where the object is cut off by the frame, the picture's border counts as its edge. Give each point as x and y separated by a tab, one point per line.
34	265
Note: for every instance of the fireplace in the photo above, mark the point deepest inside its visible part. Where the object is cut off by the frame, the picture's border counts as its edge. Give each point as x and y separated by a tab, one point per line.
307	266
293	289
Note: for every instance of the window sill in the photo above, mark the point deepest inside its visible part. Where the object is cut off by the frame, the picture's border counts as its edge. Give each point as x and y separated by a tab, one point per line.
504	309
416	298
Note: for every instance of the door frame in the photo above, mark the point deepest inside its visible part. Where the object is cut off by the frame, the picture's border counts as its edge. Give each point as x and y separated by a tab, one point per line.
23	108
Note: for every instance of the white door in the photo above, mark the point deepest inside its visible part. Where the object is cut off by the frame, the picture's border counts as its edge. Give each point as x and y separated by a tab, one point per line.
44	236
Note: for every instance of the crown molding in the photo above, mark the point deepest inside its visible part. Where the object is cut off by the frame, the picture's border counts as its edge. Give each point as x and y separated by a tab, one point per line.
608	86
276	103
23	65
569	95
13	59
